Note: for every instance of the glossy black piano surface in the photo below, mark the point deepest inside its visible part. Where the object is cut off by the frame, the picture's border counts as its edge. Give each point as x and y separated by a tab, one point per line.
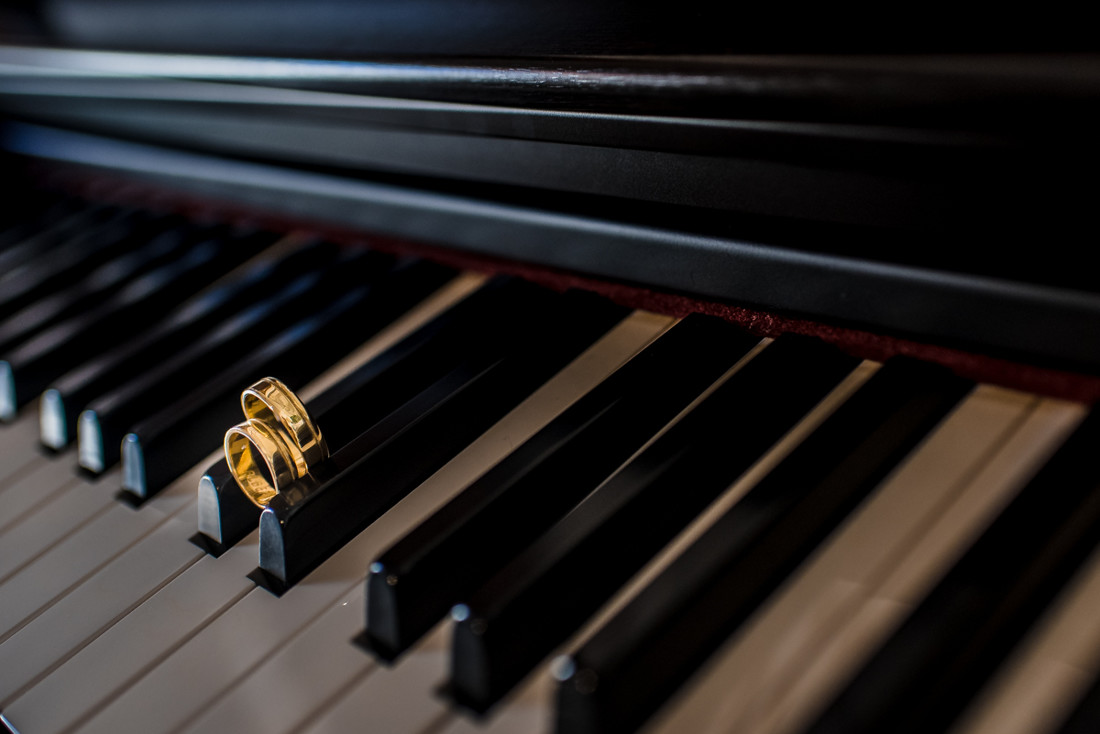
555	501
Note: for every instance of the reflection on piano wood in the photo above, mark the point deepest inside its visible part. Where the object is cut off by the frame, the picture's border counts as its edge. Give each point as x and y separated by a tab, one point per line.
770	514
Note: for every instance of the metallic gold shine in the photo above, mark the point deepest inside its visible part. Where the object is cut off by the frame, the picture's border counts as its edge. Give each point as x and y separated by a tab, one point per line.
277	444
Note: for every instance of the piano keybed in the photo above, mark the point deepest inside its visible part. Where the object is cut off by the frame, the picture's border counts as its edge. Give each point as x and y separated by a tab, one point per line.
111	619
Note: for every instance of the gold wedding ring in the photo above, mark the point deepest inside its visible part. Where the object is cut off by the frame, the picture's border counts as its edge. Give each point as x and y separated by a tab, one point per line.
277	444
272	402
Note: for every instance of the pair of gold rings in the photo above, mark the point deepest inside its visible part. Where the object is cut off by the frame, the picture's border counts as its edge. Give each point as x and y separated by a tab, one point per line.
277	444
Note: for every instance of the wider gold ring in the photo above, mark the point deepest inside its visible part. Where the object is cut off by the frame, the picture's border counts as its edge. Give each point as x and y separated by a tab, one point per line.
272	402
277	444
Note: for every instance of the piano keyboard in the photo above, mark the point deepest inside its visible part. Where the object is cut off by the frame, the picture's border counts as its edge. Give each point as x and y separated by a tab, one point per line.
678	528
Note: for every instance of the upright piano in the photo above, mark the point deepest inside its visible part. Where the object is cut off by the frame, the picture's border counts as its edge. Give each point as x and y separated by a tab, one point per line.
674	375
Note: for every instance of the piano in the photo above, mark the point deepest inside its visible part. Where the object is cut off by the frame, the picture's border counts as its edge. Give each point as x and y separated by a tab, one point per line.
674	377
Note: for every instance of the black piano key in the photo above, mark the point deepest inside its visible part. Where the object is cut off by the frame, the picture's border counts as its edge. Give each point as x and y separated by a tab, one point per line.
104	423
45	235
38	215
62	403
168	442
30	367
225	514
302	527
388	381
928	670
545	594
71	261
645	652
18	217
93	286
363	398
414	583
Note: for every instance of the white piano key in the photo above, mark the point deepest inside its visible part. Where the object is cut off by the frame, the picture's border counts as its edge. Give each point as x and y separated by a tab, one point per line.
229	648
33	489
50	524
779	671
531	704
63	567
400	700
224	654
82	500
19	434
91	608
125	653
78	503
1040	684
304	679
166	548
527	710
18	446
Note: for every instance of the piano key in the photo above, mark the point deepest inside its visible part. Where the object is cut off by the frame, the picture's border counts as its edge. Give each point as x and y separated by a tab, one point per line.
454	291
303	678
22	216
414	583
166	442
533	702
301	526
64	554
106	420
44	263
391	451
70	262
69	394
1049	675
15	449
967	624
393	699
639	658
88	291
362	398
47	217
225	654
15	256
525	710
65	511
22	494
162	550
340	667
743	689
77	618
832	612
1086	717
216	512
519	616
81	554
136	305
225	514
397	375
113	660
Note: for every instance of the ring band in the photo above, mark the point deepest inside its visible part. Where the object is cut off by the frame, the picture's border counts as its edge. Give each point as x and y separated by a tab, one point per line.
259	460
277	444
272	402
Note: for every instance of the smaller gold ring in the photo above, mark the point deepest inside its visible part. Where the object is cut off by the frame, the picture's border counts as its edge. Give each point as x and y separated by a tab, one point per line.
260	459
271	402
